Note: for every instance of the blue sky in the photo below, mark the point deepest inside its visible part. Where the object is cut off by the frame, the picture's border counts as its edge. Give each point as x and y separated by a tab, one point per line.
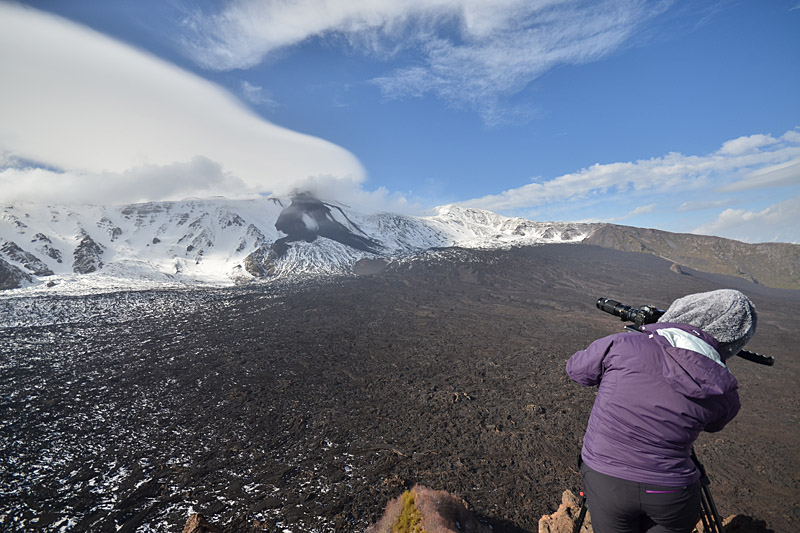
682	116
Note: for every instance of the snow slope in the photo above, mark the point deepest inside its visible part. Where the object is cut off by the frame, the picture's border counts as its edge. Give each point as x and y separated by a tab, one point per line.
220	242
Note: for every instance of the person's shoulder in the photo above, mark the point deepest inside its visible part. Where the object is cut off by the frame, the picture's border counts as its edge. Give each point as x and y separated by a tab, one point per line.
631	337
633	343
609	340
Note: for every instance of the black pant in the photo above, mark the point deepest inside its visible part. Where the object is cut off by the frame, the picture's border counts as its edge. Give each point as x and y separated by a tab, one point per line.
620	506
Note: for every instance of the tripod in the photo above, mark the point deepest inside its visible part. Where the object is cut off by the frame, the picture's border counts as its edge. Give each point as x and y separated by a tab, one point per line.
712	523
709	517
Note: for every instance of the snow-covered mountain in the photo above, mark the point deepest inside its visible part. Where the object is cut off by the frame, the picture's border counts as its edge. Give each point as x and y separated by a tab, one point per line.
218	242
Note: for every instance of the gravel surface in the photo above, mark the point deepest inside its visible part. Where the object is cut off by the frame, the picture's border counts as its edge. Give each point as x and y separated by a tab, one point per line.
308	408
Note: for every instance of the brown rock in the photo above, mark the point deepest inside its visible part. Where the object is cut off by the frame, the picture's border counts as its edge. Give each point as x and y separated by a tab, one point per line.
431	511
675	267
197	523
563	520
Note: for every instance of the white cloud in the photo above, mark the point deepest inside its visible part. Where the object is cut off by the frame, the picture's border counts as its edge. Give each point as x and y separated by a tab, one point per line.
256	95
743	145
666	175
702	205
778	222
787	173
471	53
351	193
198	177
791	136
643	210
90	109
502	55
244	32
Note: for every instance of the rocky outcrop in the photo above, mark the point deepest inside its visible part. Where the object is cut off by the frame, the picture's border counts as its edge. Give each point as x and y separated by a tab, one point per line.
563	520
12	277
425	510
675	267
197	523
46	247
260	263
87	255
26	259
368	267
253	238
113	231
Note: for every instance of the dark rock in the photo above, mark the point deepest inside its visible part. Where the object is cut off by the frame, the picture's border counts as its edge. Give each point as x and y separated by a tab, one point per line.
261	262
46	247
114	231
87	255
742	524
144	209
26	259
367	267
41	237
12	277
231	219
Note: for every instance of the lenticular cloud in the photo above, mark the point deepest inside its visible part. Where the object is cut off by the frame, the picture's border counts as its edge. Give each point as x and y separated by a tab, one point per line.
88	108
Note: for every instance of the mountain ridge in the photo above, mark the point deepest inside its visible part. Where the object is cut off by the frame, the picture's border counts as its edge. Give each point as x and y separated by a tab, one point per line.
775	265
221	242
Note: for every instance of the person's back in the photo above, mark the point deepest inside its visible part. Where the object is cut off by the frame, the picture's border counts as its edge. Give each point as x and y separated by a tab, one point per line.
657	391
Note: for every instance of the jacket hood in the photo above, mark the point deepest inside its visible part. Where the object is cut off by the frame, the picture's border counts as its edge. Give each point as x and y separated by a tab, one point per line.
692	363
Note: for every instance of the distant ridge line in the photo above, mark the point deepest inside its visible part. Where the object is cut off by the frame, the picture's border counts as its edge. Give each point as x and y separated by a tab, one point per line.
775	265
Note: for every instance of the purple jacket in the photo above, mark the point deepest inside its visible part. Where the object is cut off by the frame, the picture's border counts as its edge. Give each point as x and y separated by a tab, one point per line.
657	392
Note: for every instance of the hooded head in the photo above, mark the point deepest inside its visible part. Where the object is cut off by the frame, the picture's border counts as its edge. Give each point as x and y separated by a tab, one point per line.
726	314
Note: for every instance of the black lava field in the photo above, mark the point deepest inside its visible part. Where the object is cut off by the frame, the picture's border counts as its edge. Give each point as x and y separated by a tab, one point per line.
307	407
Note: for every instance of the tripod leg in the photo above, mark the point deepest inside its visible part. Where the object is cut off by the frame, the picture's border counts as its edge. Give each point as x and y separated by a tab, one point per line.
581	515
711	519
710	510
705	516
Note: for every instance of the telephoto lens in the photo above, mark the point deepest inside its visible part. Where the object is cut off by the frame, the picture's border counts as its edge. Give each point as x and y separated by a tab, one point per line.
615	308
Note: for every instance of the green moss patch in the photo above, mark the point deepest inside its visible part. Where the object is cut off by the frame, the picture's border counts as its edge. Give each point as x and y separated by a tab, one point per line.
410	519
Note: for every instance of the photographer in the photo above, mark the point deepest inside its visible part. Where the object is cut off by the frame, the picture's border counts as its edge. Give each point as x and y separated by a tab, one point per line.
657	391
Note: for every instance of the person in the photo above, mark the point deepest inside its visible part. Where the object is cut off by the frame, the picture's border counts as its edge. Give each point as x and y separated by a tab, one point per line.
657	391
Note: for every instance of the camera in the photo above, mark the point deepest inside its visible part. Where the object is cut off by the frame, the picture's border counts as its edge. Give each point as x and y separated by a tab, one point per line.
647	314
